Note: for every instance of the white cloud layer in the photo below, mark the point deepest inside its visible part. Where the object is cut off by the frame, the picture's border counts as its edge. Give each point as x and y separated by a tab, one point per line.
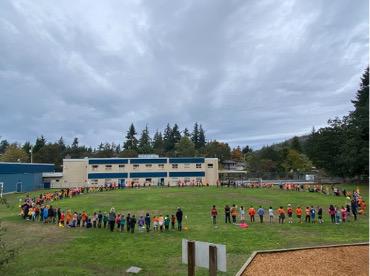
252	72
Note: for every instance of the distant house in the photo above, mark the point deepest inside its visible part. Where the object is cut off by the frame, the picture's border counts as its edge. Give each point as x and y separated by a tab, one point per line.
232	165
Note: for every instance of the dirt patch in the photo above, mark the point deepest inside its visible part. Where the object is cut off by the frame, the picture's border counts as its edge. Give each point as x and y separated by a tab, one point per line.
346	260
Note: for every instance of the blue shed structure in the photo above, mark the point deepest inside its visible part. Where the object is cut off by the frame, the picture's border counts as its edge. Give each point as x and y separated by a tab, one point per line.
23	177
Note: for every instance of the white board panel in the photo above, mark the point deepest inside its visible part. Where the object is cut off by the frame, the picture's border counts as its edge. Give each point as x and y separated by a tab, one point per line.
202	254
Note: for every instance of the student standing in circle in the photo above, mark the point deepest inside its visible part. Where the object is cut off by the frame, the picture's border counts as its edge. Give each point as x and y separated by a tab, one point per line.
214	214
111	219
179	219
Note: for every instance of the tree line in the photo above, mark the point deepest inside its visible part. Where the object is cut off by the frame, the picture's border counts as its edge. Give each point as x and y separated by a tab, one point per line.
172	142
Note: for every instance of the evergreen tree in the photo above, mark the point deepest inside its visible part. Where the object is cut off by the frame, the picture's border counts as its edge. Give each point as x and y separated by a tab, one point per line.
195	134
168	139
40	142
145	145
131	140
158	143
175	134
247	150
27	149
295	144
185	148
201	139
186	133
3	145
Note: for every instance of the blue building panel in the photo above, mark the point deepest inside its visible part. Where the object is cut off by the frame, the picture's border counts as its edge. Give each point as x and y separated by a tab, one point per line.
188	160
187	174
21	182
23	177
8	168
148	174
107	175
148	161
108	161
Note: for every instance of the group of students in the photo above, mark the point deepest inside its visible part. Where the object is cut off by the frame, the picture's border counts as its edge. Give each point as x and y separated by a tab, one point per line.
158	223
49	214
311	214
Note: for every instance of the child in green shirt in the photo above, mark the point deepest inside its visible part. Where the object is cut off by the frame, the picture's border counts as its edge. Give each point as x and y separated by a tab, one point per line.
167	222
122	223
105	220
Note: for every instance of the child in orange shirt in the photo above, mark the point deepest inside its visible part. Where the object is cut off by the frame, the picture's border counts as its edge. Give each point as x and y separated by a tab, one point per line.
234	213
281	213
298	212
84	218
251	212
68	217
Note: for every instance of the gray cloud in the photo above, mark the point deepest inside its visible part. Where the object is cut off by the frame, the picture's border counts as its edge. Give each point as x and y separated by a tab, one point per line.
252	72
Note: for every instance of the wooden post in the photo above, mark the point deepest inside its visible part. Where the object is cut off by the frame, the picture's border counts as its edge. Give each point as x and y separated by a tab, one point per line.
212	260
191	258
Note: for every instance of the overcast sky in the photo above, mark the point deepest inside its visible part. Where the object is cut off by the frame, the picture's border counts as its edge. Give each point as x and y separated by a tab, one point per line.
251	72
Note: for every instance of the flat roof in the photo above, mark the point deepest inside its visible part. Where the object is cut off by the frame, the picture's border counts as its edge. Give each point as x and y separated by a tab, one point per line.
231	171
13	168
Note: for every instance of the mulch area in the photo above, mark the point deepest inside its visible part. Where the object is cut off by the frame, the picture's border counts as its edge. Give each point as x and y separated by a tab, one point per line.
346	260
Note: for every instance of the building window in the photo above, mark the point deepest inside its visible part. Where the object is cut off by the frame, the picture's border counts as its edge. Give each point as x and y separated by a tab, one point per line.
108	167
161	166
121	166
136	166
94	182
94	167
148	165
175	166
198	166
210	166
57	180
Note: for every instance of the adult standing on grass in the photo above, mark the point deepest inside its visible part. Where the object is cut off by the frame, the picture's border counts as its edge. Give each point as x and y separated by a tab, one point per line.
111	219
179	219
147	222
261	213
227	214
214	214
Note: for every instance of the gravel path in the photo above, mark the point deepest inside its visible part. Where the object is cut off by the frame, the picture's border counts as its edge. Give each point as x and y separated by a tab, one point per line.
348	260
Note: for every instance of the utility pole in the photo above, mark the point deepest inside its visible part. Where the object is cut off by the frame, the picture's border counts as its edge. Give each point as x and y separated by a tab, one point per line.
31	152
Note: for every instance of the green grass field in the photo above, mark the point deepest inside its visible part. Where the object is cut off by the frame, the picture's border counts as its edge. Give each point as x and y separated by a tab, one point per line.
50	250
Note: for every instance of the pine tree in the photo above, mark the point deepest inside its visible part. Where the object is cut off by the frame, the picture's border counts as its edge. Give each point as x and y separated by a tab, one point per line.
158	143
40	142
186	133
168	139
195	134
295	144
176	135
145	142
131	140
201	138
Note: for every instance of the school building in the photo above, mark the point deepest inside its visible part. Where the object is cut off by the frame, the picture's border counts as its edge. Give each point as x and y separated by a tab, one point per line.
158	171
22	177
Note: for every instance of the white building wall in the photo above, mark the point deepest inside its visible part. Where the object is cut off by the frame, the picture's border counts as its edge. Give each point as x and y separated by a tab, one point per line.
75	172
